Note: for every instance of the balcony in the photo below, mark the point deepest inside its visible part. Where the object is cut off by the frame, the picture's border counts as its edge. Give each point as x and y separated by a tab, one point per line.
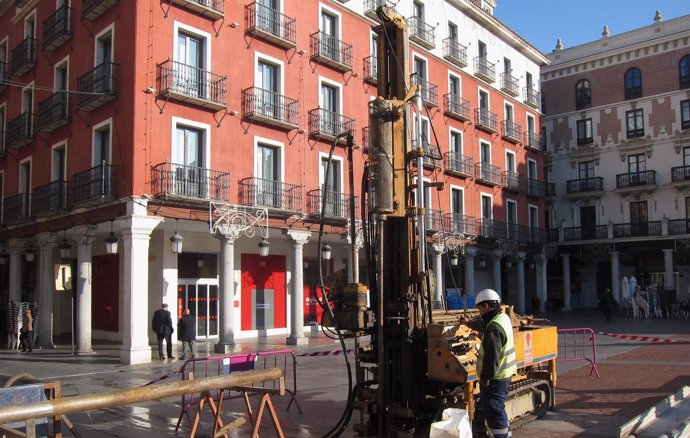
271	108
533	141
585	187
433	220
337	205
532	97
511	131
370	7
370	70
483	69
422	33
458	164
491	229
270	25
24	56
680	177
16	208
514	182
596	232
20	131
584	141
536	189
95	185
283	198
49	199
534	236
192	85
553	235
678	226
510	84
429	91
328	125
460	223
432	155
455	52
3	76
637	229
98	87
488	174
486	120
456	107
190	183
636	181
53	112
57	28
208	8
92	9
328	50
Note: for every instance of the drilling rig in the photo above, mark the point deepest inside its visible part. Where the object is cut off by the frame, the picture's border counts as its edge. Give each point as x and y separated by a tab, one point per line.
413	361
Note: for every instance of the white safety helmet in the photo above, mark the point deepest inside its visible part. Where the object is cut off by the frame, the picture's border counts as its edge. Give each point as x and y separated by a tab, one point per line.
487	295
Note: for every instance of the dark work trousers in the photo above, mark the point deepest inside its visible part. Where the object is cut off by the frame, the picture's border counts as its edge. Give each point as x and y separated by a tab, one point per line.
168	345
493	404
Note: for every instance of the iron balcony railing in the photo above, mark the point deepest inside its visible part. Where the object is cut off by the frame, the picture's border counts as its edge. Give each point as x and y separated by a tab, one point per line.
457	107
24	56
513	181
511	131
49	198
370	69
484	69
370	7
170	179
455	52
324	123
635	179
492	229
92	9
331	51
486	120
57	28
97	87
584	185
271	24
637	229
3	76
532	97
94	185
429	90
460	223
20	130
678	226
582	141
680	173
337	204
533	141
536	188
209	8
259	192
188	82
433	220
16	208
422	32
510	84
270	107
431	153
585	233
487	173
537	236
457	163
53	112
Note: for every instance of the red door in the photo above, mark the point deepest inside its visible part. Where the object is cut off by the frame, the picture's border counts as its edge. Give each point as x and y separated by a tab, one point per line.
263	292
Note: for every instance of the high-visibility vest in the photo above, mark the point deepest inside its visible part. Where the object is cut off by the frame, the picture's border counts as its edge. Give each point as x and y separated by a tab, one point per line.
506	364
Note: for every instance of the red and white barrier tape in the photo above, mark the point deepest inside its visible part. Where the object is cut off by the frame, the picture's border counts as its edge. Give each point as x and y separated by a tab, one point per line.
644	338
324	353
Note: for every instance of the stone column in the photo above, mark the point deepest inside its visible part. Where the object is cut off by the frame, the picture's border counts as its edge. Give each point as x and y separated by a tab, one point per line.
438	270
84	237
16	249
46	245
670	279
540	262
496	265
615	276
470	253
226	302
521	281
296	337
566	283
136	231
353	275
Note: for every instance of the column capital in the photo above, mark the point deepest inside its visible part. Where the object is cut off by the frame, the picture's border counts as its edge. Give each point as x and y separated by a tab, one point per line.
438	247
614	253
471	251
84	234
16	246
46	241
540	257
565	256
521	255
229	236
667	250
138	225
299	237
497	254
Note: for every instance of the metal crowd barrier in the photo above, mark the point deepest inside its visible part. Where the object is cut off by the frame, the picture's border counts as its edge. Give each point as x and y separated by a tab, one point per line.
211	366
578	344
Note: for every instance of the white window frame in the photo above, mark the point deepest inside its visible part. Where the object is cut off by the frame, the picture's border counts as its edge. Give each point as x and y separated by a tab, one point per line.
507	104
99	127
453	75
480	151
527	117
426	64
33	98
452	131
481	205
31	176
258	57
514	155
3	119
324	156
177	27
462	191
60	144
63	62
206	128
530	208
109	29
6	42
536	169
31	16
331	83
488	98
335	13
273	143
515	203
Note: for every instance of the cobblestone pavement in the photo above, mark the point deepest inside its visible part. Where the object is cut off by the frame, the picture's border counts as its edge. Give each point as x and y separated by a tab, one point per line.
634	376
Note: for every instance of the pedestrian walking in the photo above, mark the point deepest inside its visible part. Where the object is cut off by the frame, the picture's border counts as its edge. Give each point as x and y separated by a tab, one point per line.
186	332
607	304
26	338
162	325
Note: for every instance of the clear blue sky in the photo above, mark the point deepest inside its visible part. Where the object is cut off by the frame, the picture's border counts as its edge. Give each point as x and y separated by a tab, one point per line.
577	22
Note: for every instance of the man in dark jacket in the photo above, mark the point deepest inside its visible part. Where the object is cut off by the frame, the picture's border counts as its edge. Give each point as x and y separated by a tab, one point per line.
186	332
162	325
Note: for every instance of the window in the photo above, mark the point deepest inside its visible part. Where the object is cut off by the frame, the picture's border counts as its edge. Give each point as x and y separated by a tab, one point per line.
507	66
418	10
267	94
639	218
101	144
456	143
25	177
452	31
30	26
454	85
3	62
509	112
533	216
481	49
189	65
633	83
330	105
637	166
583	94
190	179
684	72
528	81
510	162
585	170
687	208
329	43
268	175
487	172
420	72
331	189
584	132
685	114
511	219
634	123
457	203
484	104
104	47
487	209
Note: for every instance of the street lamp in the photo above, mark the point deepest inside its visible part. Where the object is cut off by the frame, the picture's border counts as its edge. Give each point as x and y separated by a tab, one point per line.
263	247
176	241
326	252
30	254
65	248
454	259
111	241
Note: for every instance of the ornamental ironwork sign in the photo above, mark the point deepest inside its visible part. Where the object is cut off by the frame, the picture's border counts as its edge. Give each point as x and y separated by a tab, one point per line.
453	242
234	220
359	234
